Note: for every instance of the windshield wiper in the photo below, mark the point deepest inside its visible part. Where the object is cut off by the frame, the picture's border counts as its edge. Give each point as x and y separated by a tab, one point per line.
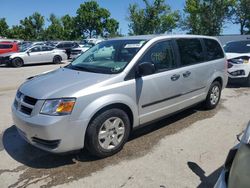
78	68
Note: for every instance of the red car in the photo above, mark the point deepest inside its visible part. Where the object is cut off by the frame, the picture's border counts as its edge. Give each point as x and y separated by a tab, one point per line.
6	47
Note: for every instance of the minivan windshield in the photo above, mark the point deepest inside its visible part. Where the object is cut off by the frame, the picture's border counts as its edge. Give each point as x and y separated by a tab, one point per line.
237	47
108	57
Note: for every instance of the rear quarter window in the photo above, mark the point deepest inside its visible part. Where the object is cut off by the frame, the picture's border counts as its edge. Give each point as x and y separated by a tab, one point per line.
214	50
191	51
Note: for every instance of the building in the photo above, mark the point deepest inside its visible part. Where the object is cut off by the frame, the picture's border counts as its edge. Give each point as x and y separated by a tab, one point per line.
228	38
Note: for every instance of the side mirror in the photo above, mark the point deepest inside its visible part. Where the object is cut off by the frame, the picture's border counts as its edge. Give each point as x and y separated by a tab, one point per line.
145	68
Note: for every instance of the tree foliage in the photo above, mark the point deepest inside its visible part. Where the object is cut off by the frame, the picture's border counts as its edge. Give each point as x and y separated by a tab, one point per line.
154	18
32	27
92	20
207	16
241	15
4	28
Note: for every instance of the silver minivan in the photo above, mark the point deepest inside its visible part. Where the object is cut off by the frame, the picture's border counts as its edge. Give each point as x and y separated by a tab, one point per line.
98	99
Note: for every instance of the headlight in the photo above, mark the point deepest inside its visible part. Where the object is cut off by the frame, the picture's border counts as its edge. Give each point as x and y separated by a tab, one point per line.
57	107
246	137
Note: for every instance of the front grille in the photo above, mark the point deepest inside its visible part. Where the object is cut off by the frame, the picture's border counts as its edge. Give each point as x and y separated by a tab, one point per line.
52	144
26	110
24	103
29	100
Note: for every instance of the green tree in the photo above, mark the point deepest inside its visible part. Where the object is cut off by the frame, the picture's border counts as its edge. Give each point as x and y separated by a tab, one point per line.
242	15
207	17
4	28
55	29
92	20
33	27
69	30
154	18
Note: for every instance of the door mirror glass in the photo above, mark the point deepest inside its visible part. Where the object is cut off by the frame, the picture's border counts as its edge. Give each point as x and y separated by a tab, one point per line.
145	68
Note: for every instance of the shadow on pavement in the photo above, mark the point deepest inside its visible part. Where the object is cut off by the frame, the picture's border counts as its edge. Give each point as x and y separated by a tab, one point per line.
206	181
31	156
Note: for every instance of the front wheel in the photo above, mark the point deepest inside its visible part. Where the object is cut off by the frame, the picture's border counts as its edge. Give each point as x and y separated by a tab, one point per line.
107	133
213	96
17	62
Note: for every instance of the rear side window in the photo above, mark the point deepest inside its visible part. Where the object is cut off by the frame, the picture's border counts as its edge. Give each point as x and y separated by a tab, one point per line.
190	51
47	48
6	46
161	55
214	50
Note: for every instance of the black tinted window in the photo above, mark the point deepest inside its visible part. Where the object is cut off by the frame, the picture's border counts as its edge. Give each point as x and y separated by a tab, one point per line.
68	45
35	49
47	48
238	47
190	51
161	55
5	46
59	46
214	50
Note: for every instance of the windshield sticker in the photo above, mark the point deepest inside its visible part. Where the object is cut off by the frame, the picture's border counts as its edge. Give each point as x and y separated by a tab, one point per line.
133	45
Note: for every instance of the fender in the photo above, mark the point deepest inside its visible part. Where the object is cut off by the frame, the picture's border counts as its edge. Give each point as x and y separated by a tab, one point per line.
107	100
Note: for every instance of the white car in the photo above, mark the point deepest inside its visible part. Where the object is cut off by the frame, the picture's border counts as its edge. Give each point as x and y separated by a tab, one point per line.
34	54
238	55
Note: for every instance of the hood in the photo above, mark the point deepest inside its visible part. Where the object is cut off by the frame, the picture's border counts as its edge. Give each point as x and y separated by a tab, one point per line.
235	55
60	83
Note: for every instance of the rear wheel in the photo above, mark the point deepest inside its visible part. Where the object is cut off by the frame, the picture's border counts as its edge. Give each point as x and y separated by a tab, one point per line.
57	60
17	62
107	133
213	96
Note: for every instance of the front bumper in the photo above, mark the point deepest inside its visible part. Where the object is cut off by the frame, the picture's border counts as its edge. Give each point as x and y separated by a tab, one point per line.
4	60
56	134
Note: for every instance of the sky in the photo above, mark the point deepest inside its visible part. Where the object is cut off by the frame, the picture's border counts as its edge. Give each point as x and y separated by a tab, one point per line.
15	10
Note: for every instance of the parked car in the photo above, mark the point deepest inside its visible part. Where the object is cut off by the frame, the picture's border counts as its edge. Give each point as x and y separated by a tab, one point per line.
34	54
68	46
75	52
6	47
238	55
116	86
90	41
236	170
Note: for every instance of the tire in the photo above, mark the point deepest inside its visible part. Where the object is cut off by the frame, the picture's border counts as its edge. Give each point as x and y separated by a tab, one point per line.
17	62
57	59
107	133
213	96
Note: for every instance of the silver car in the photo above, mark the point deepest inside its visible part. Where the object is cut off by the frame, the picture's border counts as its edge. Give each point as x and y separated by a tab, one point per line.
34	54
236	170
117	85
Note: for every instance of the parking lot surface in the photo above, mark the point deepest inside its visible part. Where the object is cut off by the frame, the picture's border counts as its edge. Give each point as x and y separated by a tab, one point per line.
185	150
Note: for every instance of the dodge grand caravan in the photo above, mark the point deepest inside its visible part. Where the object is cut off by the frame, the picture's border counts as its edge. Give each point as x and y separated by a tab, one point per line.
97	100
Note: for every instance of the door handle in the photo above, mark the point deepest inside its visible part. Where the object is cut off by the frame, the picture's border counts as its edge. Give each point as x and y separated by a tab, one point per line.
186	74
175	77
